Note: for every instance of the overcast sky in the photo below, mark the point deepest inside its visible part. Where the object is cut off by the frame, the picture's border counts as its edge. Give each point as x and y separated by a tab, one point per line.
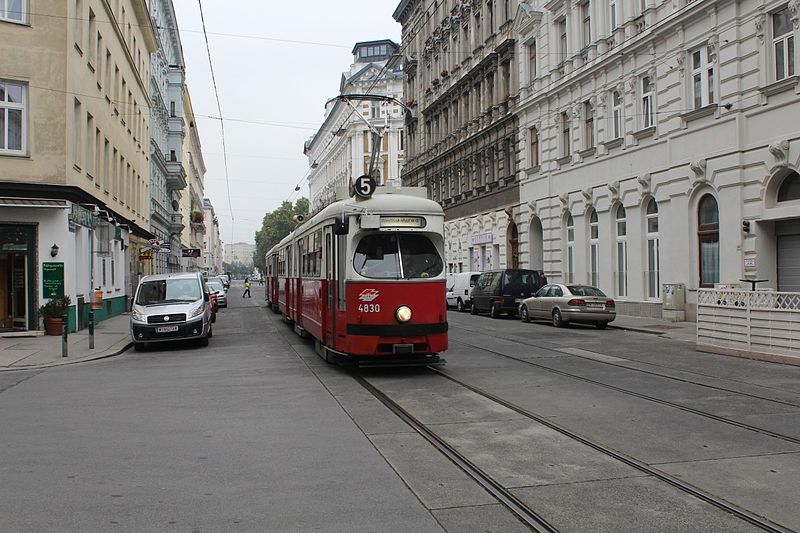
262	79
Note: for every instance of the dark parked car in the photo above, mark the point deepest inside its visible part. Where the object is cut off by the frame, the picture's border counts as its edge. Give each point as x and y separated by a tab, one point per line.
501	291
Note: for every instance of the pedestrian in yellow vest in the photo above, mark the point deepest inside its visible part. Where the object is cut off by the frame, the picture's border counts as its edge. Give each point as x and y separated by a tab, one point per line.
246	288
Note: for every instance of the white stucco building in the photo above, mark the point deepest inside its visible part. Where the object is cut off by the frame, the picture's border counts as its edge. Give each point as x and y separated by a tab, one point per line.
240	252
340	150
212	244
659	144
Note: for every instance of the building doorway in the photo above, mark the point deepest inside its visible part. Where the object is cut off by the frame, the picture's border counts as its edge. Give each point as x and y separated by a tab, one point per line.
513	246
17	299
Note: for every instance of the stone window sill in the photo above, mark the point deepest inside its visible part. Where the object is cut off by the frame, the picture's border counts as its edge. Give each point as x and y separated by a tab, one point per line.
533	170
700	112
645	132
564	160
587	152
779	86
614	143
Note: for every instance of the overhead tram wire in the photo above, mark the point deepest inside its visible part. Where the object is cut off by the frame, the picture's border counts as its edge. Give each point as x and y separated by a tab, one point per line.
221	118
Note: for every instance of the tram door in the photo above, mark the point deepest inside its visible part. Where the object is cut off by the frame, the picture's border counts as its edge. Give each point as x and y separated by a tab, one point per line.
330	289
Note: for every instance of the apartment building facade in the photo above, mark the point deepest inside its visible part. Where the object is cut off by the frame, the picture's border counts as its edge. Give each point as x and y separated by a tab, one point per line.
212	245
659	145
340	150
460	71
167	170
191	203
74	156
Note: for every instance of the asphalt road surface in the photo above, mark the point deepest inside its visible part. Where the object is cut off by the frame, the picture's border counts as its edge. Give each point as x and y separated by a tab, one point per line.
256	433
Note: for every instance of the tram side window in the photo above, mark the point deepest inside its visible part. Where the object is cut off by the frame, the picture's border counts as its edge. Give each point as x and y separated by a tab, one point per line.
405	256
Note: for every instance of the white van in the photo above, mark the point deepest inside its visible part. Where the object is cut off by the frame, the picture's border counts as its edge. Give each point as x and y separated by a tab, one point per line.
458	289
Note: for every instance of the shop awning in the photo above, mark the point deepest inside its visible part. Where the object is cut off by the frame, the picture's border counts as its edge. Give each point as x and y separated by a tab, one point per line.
33	202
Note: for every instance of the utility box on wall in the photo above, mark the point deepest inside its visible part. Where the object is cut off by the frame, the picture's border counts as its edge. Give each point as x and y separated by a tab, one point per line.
673	302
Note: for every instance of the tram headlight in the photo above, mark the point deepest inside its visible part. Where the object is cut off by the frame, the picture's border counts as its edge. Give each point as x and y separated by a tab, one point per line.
403	313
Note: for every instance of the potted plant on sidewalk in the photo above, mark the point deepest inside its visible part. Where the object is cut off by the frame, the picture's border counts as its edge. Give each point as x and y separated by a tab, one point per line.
52	312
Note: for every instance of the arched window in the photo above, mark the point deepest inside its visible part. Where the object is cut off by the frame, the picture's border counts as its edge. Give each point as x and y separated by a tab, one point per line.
708	240
653	275
622	252
594	249
790	188
569	275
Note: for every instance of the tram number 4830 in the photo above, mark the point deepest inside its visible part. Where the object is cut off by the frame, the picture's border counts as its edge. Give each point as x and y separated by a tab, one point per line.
369	308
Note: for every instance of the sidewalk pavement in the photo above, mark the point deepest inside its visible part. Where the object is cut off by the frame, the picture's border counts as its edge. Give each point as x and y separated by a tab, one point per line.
111	337
681	331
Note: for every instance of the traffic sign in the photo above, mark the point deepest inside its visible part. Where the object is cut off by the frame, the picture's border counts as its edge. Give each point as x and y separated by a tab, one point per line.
364	186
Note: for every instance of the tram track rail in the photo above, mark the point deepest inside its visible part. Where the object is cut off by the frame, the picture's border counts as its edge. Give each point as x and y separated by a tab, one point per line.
524	513
720	503
646	397
631	368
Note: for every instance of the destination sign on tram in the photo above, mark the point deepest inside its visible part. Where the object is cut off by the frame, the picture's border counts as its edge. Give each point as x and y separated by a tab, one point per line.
403	222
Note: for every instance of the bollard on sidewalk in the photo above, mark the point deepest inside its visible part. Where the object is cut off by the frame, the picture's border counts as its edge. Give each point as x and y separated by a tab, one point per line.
64	349
91	330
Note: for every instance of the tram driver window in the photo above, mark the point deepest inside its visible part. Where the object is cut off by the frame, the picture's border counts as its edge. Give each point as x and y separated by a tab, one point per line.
397	256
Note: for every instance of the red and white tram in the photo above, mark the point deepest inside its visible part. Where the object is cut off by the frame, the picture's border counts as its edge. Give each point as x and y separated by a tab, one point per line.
366	278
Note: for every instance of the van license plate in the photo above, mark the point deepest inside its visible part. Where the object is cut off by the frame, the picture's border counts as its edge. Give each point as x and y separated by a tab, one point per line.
166	329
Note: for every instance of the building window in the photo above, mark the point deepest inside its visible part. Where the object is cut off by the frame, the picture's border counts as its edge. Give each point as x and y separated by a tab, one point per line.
702	77
783	43
402	140
586	15
588	125
532	61
565	140
533	134
562	39
13	117
648	109
708	239
790	188
569	275
616	114
12	10
651	221
375	109
594	249
612	15
622	252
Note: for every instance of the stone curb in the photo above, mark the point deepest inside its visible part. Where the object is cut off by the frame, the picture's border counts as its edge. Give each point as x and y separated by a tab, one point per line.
68	362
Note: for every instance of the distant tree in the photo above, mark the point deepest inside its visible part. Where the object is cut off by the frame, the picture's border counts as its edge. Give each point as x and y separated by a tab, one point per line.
275	226
237	269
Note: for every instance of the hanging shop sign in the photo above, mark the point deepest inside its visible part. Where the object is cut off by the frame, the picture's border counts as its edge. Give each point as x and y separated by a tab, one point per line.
190	252
52	280
83	217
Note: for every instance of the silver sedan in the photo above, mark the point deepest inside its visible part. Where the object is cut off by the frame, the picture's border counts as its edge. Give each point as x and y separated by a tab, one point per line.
563	304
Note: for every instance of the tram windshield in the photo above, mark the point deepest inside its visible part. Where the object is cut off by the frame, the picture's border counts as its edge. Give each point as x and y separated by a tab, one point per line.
397	256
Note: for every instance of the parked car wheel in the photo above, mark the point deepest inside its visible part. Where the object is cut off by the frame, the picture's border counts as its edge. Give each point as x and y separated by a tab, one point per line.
140	346
460	306
473	309
557	320
494	311
601	325
210	332
523	314
203	341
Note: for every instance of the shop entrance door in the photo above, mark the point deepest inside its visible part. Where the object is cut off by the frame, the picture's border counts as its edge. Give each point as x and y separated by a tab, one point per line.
19	291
